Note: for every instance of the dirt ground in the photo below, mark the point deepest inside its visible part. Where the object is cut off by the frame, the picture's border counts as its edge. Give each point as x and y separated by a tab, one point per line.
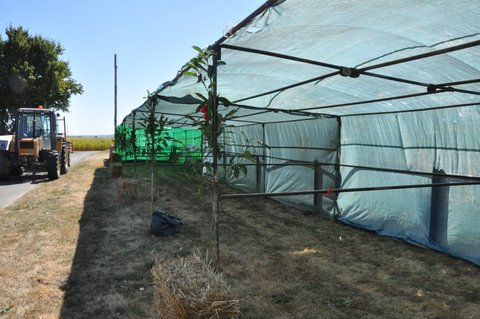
70	249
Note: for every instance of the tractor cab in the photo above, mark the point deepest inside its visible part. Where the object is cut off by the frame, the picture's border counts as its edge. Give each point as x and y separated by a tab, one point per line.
35	134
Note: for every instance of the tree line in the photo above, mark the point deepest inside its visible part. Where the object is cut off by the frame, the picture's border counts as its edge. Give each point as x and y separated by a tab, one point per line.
32	74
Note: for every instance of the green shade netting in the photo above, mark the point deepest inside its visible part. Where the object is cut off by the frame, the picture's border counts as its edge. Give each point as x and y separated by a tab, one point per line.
181	144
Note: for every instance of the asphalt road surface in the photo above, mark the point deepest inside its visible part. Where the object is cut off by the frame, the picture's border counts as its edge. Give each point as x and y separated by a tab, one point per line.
16	187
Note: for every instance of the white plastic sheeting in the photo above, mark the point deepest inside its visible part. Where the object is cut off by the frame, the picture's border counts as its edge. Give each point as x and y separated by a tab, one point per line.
433	141
364	121
290	150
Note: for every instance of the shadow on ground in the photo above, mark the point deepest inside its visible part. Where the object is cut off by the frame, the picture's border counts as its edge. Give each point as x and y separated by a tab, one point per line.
111	273
27	178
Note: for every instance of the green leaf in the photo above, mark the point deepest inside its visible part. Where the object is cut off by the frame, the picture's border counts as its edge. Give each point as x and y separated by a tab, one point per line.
230	114
210	71
201	96
247	154
224	101
197	48
199	108
200	67
244	169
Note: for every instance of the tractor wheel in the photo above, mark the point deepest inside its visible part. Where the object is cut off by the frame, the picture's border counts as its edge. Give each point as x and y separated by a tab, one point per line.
53	165
4	167
64	160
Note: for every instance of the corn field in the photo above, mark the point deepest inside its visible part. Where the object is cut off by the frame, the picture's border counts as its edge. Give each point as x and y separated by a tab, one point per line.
91	143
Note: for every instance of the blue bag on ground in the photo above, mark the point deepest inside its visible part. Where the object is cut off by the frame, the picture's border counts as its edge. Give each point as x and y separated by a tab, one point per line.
163	224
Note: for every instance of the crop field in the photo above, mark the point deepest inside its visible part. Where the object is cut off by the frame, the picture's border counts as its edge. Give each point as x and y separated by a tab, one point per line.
91	143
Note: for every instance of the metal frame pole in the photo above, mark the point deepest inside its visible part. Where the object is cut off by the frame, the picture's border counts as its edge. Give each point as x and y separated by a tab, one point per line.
115	96
317	184
264	159
346	190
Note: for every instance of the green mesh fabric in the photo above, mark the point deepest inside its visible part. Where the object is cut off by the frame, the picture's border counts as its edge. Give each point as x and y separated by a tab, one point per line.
181	144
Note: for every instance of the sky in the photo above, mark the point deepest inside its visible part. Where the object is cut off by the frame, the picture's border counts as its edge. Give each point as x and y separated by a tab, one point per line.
152	39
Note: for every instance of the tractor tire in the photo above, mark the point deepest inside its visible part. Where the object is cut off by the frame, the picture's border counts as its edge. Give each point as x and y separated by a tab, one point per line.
53	165
4	167
64	161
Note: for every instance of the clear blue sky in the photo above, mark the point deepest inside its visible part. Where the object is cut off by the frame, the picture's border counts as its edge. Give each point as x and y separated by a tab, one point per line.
152	40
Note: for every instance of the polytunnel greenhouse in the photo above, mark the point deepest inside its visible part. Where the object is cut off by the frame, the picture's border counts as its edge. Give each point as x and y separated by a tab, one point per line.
366	111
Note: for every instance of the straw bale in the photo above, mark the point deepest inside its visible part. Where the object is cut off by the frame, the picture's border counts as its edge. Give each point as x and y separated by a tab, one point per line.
201	292
127	190
116	169
167	304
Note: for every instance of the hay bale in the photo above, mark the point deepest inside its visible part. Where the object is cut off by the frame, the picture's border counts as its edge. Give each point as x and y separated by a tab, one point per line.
189	288
167	304
116	169
127	190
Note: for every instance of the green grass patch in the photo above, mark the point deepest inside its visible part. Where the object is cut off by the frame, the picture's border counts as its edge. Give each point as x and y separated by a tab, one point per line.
5	310
91	143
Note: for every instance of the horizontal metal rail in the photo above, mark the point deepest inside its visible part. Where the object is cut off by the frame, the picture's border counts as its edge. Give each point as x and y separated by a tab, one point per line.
391	98
414	110
344	190
422	56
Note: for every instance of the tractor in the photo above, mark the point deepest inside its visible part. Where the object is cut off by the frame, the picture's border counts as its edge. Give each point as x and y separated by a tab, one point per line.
36	145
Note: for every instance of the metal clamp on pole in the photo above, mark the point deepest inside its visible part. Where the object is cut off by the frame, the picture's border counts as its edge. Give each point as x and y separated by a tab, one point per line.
350	72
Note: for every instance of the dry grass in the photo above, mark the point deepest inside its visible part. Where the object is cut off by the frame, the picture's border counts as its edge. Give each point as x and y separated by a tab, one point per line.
37	245
188	287
70	250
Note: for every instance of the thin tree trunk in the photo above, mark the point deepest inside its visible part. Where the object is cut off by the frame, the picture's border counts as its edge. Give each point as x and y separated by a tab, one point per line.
216	193
152	176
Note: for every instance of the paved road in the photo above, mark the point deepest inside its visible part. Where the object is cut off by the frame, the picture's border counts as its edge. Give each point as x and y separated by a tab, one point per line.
18	186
